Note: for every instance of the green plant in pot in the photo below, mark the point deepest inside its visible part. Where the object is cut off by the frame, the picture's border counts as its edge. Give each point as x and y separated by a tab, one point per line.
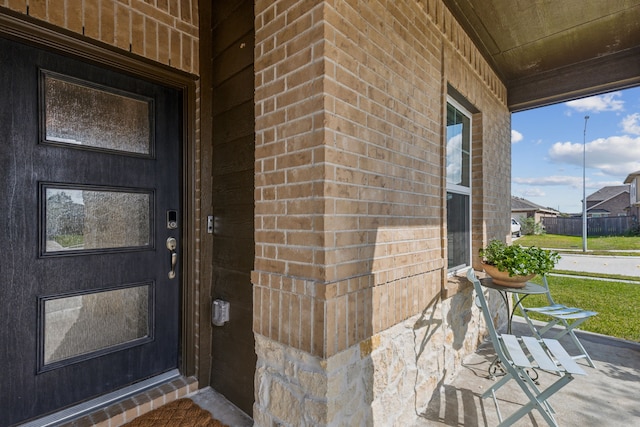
513	265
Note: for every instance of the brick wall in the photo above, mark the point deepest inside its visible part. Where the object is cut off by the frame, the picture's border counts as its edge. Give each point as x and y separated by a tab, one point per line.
616	205
350	191
349	163
348	187
165	31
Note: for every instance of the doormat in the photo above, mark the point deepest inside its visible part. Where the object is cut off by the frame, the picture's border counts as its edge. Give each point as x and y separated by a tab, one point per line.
179	413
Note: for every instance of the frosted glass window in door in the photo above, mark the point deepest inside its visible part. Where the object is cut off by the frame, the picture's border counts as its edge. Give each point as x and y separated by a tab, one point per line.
79	219
81	324
88	116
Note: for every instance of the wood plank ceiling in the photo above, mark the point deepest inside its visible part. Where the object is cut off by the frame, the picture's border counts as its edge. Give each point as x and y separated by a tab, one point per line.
548	51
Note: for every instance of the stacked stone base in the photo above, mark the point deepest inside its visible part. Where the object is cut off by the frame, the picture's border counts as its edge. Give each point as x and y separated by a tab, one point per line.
388	379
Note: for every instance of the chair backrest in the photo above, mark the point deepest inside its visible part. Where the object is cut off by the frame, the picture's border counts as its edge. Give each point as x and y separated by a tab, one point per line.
481	302
546	285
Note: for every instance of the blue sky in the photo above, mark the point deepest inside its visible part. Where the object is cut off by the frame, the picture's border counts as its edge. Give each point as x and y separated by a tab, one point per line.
547	148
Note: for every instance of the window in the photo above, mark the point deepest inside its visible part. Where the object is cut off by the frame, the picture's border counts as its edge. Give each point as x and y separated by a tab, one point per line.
458	186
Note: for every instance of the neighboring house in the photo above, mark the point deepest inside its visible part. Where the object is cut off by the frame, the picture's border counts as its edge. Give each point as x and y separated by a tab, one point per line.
609	201
523	208
328	168
633	180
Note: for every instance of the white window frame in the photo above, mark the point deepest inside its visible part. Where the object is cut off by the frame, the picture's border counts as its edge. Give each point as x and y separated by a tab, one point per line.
461	189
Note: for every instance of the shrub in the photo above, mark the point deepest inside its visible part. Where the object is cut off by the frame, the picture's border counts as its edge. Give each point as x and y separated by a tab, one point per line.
530	226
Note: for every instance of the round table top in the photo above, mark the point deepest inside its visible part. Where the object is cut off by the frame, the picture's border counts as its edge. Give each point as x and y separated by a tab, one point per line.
529	287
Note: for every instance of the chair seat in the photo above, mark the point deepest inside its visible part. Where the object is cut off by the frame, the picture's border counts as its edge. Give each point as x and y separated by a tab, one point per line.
562	311
528	352
548	307
562	316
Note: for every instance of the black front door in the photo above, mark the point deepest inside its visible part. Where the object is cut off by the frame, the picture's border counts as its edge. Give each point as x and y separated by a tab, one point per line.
89	271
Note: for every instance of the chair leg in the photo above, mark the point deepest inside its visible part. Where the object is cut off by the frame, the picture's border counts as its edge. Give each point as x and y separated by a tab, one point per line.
497	385
569	327
548	326
584	354
538	333
538	401
569	330
529	323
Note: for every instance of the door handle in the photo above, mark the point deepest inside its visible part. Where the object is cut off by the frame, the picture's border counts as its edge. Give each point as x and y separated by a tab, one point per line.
172	244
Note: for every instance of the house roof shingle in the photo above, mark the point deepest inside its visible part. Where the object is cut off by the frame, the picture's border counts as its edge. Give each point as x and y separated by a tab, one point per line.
605	193
520	204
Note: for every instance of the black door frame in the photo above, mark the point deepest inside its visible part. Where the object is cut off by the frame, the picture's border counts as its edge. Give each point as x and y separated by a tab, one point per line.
22	28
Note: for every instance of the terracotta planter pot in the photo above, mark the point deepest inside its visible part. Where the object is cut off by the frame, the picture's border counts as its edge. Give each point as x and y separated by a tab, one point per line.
502	278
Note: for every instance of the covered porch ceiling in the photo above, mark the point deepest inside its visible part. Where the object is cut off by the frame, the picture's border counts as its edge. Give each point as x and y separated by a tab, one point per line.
548	51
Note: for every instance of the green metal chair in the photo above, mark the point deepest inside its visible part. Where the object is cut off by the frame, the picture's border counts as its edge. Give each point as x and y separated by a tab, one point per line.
518	355
568	318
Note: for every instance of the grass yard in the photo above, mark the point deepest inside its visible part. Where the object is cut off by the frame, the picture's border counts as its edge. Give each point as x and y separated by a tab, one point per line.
69	240
555	241
617	304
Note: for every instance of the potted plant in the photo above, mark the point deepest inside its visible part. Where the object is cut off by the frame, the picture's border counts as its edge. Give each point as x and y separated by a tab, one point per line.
513	265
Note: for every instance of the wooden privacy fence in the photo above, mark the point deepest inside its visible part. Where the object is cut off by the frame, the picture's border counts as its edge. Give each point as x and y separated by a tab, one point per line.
605	226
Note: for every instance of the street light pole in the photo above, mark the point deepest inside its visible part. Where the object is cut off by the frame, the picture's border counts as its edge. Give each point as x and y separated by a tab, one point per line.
584	186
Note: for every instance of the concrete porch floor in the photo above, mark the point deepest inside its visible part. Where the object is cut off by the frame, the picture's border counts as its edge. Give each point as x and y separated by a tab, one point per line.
607	396
220	408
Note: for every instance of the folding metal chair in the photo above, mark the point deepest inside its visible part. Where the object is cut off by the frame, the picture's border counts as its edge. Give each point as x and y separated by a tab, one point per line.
520	354
568	318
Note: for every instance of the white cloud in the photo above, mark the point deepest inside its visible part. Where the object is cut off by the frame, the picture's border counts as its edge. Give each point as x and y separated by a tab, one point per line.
600	184
598	103
572	181
454	159
630	124
515	136
558	181
534	192
614	156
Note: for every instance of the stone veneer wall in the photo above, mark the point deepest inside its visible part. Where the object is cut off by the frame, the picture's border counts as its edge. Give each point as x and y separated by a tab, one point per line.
387	379
350	271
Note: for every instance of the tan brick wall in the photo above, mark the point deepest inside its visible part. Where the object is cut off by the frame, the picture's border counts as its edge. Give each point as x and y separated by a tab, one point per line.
324	319
350	217
466	71
348	162
165	31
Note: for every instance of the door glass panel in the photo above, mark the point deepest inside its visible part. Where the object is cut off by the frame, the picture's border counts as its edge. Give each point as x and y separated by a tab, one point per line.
82	115
79	219
81	324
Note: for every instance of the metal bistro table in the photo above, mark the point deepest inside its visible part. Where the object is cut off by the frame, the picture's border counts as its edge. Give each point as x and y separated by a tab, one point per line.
521	293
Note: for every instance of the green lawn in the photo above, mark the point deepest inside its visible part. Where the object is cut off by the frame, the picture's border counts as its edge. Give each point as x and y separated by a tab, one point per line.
69	240
616	302
555	241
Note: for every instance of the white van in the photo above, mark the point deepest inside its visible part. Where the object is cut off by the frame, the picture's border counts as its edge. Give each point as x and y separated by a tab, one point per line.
515	228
